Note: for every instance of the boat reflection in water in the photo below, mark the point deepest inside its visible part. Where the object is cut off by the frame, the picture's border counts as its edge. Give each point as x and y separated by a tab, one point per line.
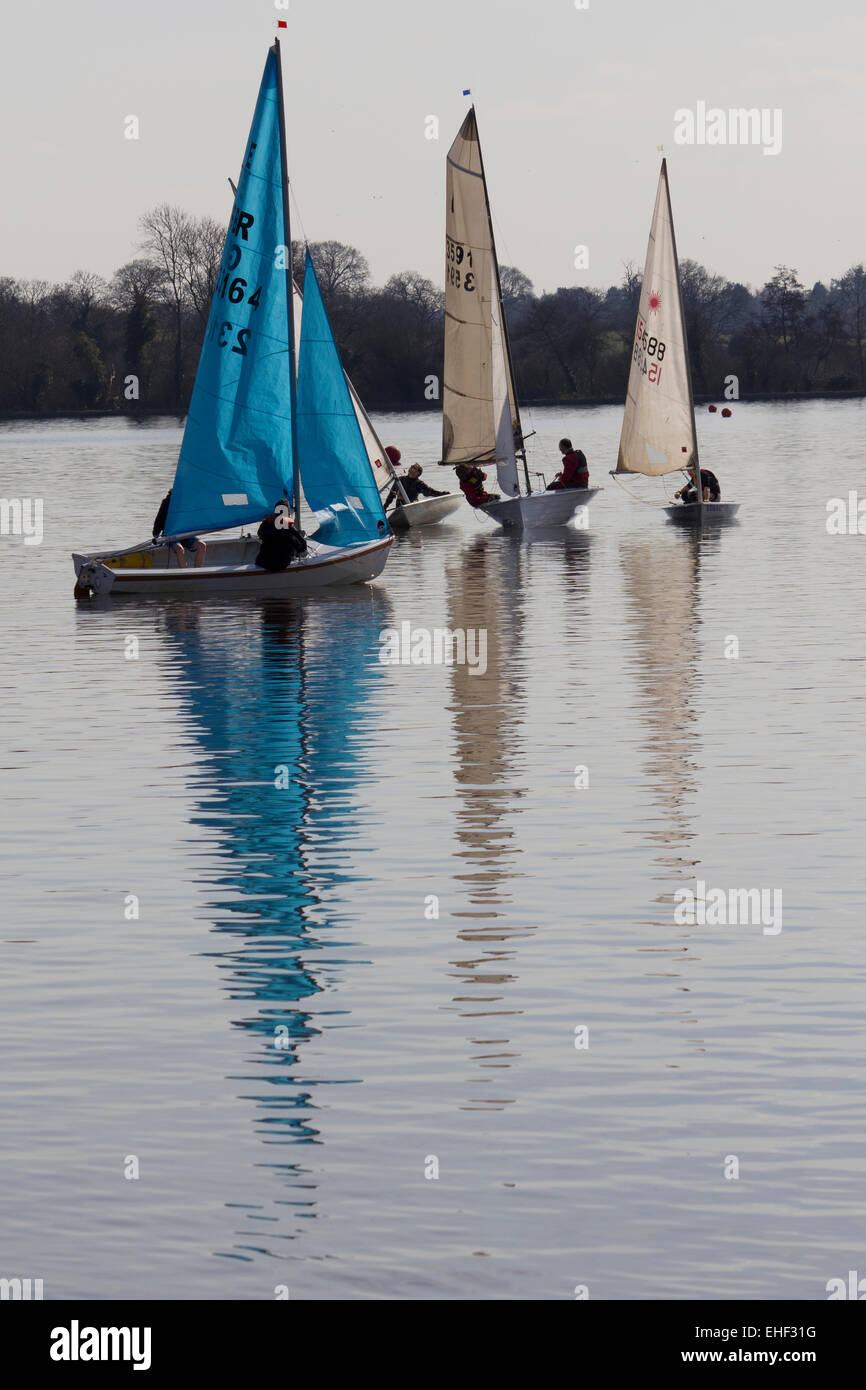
661	581
276	694
662	585
488	589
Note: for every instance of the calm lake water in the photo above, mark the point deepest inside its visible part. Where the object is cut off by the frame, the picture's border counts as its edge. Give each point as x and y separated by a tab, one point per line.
288	1040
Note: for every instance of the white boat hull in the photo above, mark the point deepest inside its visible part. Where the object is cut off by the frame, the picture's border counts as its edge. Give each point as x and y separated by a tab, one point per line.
539	509
702	513
229	570
427	511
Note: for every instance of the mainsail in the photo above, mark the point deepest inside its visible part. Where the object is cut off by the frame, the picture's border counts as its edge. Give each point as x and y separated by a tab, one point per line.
336	474
479	404
236	455
658	429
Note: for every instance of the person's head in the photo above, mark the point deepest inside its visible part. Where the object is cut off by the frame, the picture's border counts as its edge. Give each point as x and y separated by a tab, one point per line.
393	453
415	471
462	471
564	446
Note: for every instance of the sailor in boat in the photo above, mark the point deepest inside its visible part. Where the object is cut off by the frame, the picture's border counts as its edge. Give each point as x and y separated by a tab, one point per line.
193	544
411	482
281	540
472	480
575	469
710	488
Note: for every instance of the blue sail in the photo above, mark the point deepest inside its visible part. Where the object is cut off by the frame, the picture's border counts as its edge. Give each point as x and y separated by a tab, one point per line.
236	456
336	475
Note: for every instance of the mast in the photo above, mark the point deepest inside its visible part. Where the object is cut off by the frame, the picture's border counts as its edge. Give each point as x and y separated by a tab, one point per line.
505	337
293	380
698	489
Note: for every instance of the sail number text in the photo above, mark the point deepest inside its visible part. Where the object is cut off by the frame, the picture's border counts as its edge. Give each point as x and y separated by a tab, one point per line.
458	265
234	288
648	353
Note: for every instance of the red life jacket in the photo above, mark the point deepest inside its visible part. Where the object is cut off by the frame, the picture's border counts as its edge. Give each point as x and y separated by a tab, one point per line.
472	487
575	470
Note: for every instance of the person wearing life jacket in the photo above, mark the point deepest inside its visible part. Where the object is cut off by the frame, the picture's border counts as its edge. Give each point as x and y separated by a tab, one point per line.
193	544
411	485
575	469
710	487
472	480
281	541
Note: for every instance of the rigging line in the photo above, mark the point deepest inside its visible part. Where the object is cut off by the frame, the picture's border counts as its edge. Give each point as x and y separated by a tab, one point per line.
296	205
665	477
633	495
502	244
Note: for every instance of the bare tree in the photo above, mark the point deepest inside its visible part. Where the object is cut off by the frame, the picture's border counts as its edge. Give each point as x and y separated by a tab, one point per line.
165	239
202	248
514	284
415	290
340	269
784	301
84	292
851	290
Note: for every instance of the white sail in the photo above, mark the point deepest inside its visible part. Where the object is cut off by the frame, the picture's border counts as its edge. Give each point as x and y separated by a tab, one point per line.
658	429
479	408
383	471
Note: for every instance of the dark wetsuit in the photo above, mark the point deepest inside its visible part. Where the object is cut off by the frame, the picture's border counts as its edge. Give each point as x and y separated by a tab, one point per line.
280	545
188	542
413	488
709	480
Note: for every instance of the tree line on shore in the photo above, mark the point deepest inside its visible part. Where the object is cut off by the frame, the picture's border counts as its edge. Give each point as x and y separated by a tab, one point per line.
131	343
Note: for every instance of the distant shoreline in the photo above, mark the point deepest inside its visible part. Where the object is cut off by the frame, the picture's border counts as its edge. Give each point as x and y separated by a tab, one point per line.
433	408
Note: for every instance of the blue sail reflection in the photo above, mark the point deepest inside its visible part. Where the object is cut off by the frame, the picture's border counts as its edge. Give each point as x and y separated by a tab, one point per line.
277	695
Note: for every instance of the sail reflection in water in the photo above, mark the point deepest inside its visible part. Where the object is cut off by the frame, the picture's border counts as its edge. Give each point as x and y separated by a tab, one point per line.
276	692
661	578
662	584
483	592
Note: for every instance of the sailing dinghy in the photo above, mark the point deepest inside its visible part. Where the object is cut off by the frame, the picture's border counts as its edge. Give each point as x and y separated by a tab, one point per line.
658	428
426	511
480	414
257	428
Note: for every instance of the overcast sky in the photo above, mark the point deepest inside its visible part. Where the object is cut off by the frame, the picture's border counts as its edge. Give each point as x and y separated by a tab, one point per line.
572	105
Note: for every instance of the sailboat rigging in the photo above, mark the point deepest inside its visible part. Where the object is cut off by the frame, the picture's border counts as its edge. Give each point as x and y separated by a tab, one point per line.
658	428
426	511
480	412
269	417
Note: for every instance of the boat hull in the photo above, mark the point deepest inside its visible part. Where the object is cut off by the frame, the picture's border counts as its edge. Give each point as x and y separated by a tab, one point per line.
539	509
323	567
427	511
702	513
